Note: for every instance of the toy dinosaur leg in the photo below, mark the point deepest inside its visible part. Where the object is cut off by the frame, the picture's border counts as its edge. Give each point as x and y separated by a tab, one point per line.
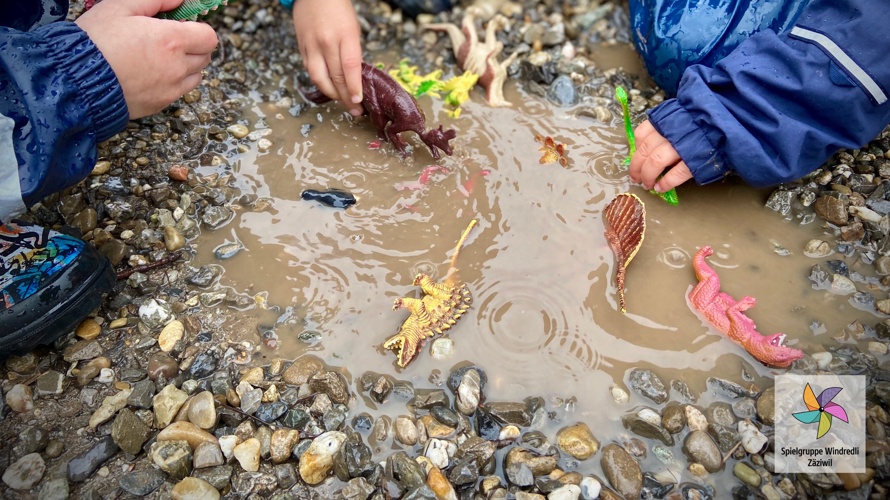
393	130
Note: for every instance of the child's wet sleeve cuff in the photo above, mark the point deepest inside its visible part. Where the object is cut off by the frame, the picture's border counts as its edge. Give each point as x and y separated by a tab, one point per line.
678	126
287	4
100	91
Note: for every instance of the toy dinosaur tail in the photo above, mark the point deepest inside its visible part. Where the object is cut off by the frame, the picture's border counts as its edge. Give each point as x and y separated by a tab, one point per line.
460	243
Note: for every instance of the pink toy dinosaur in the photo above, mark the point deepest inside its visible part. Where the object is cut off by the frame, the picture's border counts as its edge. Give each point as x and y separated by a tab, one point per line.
480	58
393	111
726	315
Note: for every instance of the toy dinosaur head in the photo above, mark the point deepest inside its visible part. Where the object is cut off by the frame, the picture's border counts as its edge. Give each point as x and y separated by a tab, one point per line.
438	138
774	352
405	351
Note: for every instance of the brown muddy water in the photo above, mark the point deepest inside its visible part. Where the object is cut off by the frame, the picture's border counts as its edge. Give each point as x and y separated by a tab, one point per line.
545	319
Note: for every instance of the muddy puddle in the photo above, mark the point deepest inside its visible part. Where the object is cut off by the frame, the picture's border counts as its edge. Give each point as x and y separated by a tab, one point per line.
545	318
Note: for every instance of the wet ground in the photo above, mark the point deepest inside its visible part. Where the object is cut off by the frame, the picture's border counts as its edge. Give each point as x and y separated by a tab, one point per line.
545	318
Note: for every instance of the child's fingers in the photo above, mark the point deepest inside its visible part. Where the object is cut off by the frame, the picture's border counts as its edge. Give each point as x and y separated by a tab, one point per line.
673	178
198	38
195	63
657	155
351	60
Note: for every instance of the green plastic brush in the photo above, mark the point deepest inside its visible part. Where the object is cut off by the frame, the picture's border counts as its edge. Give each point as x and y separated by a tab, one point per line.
191	10
621	95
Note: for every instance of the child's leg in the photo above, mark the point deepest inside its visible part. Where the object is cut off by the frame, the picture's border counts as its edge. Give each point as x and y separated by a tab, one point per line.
671	35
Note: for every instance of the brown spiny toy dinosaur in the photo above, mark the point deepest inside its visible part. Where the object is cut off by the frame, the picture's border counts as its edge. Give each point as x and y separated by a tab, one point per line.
392	111
438	310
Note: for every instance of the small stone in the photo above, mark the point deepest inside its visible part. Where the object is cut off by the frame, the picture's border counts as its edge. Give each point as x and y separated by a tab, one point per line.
186	431
302	369
208	454
88	329
20	398
238	131
318	460
753	440
281	444
178	173
248	454
101	168
701	448
129	432
202	410
619	395
173	239
167	404
142	482
622	471
405	430
25	473
746	474
172	457
193	488
578	441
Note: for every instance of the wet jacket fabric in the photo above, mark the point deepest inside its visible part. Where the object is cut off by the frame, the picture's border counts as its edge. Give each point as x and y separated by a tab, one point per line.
58	99
778	105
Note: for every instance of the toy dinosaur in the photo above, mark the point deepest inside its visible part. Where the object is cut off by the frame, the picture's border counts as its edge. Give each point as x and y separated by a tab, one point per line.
456	89
191	10
480	58
392	111
438	310
624	219
553	151
726	315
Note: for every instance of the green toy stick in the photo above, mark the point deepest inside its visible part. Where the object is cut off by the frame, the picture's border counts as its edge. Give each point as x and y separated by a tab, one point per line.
621	95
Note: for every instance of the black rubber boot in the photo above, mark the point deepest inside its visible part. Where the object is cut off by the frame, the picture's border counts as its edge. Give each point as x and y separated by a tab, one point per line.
49	282
412	8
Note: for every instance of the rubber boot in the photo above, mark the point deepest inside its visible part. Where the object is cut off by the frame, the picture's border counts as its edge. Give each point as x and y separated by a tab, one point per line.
49	282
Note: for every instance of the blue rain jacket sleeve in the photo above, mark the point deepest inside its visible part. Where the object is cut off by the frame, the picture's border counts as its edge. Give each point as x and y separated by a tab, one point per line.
62	98
778	106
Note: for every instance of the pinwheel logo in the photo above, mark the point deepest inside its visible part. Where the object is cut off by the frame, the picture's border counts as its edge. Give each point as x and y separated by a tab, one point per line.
821	409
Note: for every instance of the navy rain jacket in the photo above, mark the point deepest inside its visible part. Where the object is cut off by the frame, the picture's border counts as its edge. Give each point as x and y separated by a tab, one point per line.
58	99
779	105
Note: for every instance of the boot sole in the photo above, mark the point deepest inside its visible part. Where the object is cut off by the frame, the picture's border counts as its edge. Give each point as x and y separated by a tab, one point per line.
86	282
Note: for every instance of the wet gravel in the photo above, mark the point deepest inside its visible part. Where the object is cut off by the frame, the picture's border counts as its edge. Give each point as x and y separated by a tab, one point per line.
150	398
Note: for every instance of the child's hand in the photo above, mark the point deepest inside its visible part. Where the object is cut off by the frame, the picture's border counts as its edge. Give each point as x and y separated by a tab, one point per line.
654	156
156	61
328	34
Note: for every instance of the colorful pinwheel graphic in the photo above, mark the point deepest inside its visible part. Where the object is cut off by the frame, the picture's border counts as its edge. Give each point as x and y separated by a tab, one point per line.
821	409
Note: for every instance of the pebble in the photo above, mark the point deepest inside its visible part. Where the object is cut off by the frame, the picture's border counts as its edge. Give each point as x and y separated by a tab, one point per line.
186	431
753	440
238	131
142	482
622	471
207	454
193	488
167	404
25	472
88	329
20	398
248	455
318	460
695	419
82	466
619	395
578	441
701	448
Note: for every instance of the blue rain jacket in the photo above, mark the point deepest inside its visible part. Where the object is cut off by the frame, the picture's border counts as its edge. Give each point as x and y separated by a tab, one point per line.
58	99
770	107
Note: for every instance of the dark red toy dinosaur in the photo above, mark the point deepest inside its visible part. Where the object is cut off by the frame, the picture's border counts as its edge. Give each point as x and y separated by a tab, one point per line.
393	111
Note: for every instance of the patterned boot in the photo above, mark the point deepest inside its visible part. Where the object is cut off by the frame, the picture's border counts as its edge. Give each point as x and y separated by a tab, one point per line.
49	282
